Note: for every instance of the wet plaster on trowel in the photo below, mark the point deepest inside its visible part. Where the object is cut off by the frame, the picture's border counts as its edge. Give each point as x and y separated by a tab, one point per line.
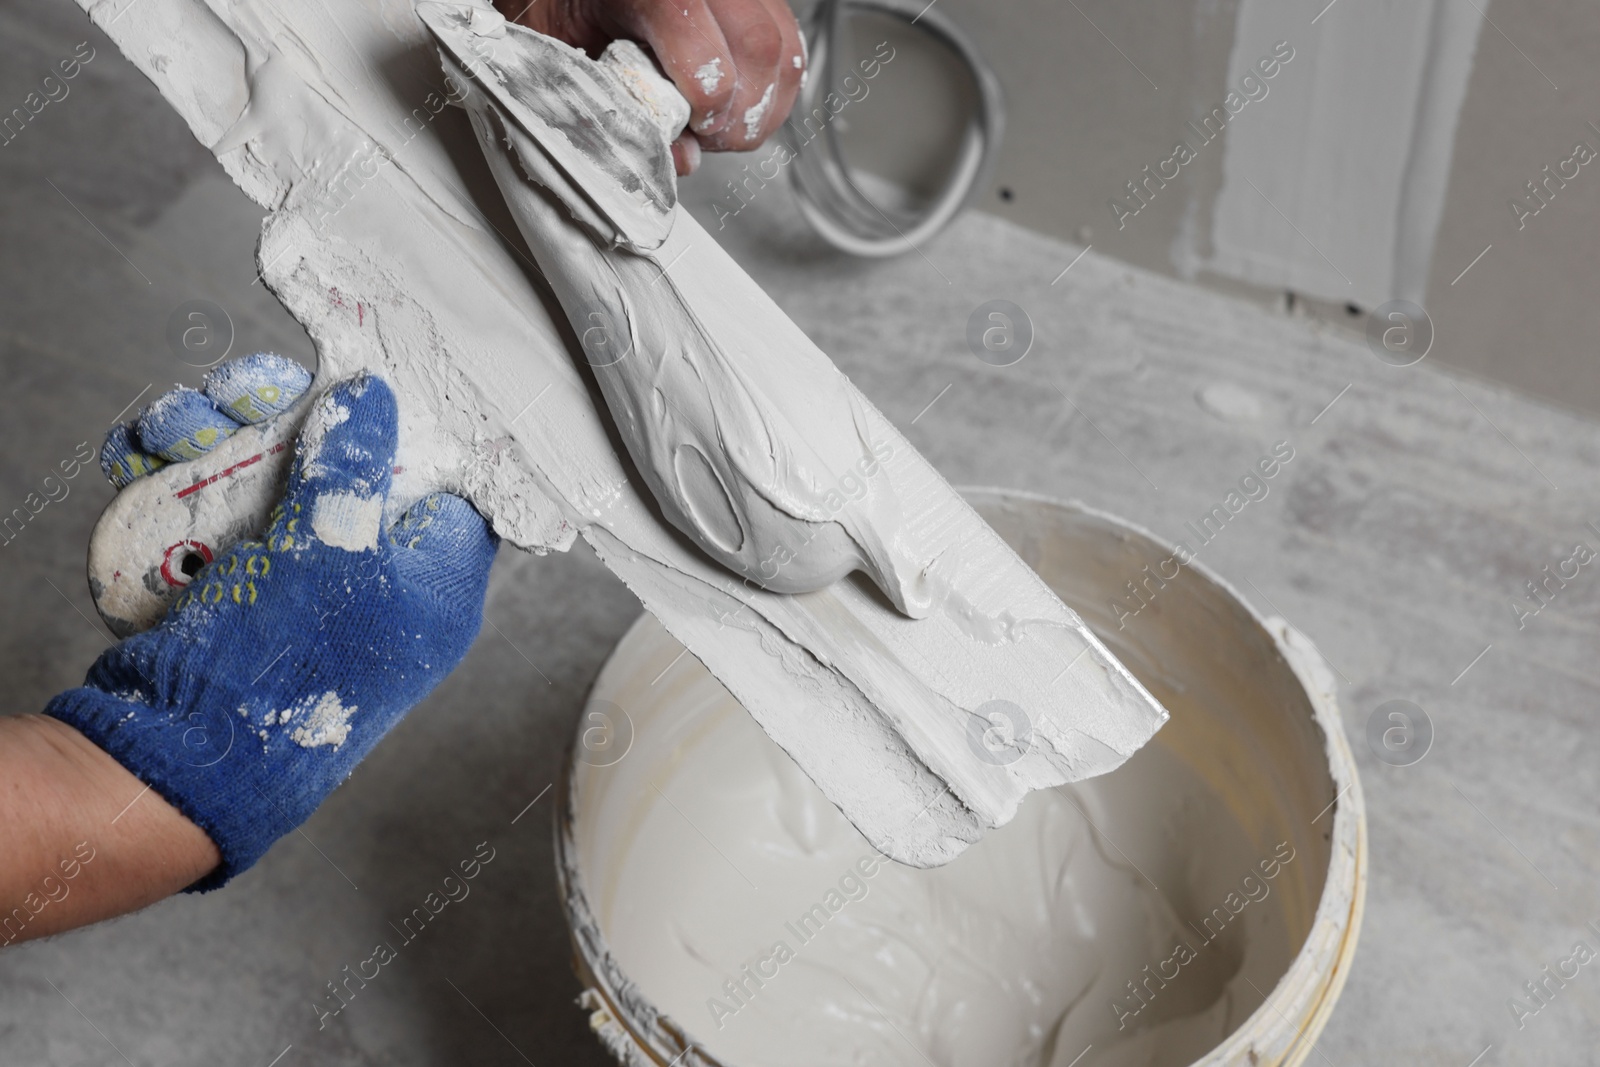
739	453
738	423
383	242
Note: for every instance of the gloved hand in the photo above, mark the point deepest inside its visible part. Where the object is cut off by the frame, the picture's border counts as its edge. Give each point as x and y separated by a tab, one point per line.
288	658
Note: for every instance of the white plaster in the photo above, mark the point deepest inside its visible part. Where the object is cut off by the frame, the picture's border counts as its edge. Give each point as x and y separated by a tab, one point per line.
1229	401
1019	952
350	521
646	84
324	416
755	113
709	75
1014	954
327	721
743	458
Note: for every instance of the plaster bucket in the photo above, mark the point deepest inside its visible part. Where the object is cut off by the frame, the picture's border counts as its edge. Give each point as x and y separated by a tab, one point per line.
1199	905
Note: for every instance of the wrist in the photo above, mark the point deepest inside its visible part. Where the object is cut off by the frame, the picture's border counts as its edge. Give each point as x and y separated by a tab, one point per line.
211	768
83	838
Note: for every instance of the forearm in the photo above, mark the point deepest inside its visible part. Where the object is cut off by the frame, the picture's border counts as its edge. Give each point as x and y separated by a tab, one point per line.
82	839
194	745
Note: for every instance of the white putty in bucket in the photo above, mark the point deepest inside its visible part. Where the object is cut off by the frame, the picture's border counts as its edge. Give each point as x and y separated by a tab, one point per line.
1197	906
755	915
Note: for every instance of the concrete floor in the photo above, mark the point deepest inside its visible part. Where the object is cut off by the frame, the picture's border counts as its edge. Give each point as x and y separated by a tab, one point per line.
231	977
1415	510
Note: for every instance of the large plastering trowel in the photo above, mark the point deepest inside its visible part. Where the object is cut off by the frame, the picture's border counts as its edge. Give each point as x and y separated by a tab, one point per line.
739	424
878	630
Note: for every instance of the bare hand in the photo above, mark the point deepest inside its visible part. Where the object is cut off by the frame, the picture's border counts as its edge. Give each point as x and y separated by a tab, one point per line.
737	62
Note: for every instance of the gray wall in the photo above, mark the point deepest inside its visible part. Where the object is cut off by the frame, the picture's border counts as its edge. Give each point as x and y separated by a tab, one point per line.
1096	89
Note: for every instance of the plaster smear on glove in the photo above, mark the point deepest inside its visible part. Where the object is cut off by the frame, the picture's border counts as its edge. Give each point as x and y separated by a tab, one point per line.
324	417
347	520
325	720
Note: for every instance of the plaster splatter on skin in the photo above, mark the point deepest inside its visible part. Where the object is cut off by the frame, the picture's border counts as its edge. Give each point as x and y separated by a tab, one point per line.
754	114
348	520
709	75
326	721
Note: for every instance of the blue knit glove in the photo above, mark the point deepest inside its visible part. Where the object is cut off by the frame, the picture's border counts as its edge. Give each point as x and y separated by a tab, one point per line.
287	659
